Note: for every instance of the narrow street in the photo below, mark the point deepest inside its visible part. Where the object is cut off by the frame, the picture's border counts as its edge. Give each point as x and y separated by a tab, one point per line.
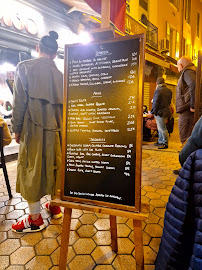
90	236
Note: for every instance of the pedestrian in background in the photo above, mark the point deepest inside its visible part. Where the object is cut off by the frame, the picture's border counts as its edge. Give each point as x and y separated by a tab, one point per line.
185	97
37	123
161	110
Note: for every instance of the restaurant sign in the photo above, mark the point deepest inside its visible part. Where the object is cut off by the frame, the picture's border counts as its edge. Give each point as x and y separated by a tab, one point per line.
133	27
20	23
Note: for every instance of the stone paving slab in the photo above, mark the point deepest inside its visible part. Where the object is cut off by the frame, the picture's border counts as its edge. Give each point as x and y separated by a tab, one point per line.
90	243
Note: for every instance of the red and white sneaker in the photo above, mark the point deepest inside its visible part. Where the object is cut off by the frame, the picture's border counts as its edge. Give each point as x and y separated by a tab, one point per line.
54	210
29	225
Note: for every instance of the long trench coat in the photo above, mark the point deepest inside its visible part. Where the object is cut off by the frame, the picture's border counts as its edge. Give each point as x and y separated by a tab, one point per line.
37	116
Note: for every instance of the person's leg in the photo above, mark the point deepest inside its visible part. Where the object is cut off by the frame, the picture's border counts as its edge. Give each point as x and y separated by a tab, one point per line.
185	122
54	210
34	209
163	130
33	223
158	122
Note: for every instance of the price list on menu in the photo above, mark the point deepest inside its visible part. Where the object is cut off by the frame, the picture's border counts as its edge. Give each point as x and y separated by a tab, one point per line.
102	97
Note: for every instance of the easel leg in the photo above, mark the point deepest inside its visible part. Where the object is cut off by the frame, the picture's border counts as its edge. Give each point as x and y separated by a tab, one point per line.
65	239
138	241
113	233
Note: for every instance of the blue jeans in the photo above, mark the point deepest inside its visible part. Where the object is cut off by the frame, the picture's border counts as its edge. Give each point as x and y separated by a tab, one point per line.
162	129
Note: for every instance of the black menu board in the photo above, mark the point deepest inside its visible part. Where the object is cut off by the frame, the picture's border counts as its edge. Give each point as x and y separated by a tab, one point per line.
102	97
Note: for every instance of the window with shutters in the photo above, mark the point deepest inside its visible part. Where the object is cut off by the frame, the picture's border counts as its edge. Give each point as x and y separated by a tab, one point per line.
188	11
144	4
198	24
176	3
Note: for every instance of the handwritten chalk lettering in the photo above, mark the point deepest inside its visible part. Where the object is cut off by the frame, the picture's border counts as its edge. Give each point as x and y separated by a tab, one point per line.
134	53
88	171
108	117
84	194
119	81
105	67
109	122
119	66
96	83
116	197
120	60
133	72
104	162
94	75
100	104
130	123
132	107
110	168
98	172
117	156
111	130
99	195
130	129
80	170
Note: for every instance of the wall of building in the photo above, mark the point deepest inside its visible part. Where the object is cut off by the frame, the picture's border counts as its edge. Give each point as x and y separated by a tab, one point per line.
190	31
134	9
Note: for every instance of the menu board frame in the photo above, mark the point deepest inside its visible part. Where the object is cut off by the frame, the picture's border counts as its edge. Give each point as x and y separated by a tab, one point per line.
137	206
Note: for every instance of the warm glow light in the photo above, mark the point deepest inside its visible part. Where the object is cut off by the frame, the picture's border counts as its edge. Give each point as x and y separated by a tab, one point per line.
60	64
84	37
7	67
67	37
177	54
34	54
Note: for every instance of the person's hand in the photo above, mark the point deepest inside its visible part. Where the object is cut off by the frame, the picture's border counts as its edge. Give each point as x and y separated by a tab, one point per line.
192	110
17	137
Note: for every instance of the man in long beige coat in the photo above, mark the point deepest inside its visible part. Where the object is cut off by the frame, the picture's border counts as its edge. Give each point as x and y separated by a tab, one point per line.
37	123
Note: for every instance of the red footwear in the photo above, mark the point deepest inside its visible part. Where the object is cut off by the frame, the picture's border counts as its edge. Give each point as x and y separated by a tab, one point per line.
29	225
54	210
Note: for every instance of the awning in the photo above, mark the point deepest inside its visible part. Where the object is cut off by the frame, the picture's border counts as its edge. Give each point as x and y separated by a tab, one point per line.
156	60
93	7
174	68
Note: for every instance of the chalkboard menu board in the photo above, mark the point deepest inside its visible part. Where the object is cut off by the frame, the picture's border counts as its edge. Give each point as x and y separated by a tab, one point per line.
102	122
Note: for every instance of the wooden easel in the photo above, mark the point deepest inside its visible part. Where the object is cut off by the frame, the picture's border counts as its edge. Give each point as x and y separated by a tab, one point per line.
141	211
137	228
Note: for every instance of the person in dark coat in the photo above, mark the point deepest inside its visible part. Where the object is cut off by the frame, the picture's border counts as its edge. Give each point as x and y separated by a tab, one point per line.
194	142
185	97
181	243
161	110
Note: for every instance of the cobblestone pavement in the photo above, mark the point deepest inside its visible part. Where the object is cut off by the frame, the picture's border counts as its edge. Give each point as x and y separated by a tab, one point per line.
90	236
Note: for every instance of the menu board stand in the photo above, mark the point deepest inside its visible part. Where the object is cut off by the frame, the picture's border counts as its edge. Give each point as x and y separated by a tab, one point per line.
137	228
102	136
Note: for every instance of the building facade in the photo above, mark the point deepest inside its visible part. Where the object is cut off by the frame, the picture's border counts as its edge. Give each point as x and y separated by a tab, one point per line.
173	29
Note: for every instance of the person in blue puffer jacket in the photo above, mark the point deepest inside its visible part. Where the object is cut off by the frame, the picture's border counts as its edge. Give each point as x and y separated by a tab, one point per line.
181	243
194	142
